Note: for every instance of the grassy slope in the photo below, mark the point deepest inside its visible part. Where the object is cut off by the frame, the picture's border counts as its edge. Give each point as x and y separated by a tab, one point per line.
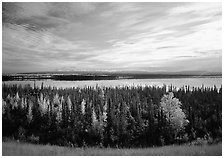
15	149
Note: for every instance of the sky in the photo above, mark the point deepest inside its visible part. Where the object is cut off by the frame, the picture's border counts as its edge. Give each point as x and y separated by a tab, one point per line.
116	36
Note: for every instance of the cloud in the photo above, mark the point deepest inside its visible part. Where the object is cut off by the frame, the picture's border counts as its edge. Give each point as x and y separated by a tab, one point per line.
176	45
70	10
44	15
24	10
155	36
42	41
41	22
202	9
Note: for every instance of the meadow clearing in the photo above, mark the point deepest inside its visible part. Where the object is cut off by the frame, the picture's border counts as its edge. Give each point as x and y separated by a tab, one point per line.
13	148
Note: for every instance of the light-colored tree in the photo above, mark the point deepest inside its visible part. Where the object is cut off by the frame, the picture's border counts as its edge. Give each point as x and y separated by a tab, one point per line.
94	119
175	116
69	103
23	103
56	100
59	109
30	113
83	104
14	101
43	105
4	104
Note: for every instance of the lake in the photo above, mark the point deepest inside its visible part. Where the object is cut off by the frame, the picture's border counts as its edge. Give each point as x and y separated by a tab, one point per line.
177	82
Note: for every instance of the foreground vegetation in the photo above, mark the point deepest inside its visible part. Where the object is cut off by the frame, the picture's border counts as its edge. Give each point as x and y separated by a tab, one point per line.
112	117
22	149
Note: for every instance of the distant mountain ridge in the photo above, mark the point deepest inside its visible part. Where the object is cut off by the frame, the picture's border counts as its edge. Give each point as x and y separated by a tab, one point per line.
102	75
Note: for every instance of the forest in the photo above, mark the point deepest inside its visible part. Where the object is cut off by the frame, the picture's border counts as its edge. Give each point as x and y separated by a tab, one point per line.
140	116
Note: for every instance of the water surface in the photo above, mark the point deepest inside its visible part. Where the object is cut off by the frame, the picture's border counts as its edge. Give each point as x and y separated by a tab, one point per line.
177	82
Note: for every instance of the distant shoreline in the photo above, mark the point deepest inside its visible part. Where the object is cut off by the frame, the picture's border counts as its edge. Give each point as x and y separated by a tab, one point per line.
66	77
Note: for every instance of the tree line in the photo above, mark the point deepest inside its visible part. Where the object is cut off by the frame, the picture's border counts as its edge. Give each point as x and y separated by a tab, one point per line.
111	116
